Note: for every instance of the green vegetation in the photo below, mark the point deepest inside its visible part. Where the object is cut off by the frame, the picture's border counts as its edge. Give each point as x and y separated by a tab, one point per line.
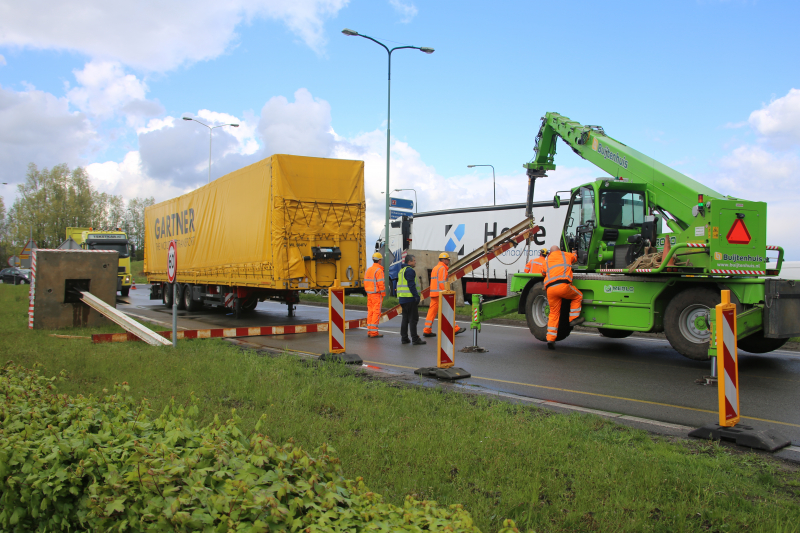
545	471
136	269
462	311
106	464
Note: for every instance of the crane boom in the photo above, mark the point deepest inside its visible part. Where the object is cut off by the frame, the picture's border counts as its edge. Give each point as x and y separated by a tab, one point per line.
668	189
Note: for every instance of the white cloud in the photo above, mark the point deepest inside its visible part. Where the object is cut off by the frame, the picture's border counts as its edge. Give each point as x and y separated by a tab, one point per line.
129	179
105	90
157	35
406	11
2	61
302	127
39	128
779	122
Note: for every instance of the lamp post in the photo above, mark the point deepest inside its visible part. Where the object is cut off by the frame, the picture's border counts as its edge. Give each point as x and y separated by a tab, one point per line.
416	204
210	129
425	49
494	187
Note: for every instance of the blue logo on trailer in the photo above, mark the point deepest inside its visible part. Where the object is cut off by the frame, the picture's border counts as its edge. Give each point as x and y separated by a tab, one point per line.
453	238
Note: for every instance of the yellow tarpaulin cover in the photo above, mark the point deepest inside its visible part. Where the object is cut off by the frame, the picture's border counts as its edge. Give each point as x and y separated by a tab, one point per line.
257	226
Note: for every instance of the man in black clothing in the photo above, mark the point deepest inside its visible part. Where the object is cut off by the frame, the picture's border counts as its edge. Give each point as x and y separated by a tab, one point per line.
409	300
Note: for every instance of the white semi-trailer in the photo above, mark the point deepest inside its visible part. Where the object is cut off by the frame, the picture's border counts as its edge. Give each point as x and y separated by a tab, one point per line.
467	229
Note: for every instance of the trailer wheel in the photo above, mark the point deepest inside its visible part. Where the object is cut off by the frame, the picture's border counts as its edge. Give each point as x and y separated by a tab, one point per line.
250	304
166	294
188	302
758	343
686	322
614	333
537	311
181	303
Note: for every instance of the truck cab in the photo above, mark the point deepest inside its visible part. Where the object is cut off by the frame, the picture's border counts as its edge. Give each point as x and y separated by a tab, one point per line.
115	240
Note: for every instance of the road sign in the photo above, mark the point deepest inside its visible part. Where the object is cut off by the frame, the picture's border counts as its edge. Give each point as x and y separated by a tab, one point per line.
172	261
397	214
401	203
14	261
25	254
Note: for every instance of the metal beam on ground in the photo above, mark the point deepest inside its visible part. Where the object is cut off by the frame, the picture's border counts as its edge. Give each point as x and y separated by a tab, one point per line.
126	322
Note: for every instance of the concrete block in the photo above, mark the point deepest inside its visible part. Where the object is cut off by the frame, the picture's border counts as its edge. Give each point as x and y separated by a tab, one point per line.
53	304
426	260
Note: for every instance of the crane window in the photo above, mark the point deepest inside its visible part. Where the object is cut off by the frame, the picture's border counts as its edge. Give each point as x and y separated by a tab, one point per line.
621	209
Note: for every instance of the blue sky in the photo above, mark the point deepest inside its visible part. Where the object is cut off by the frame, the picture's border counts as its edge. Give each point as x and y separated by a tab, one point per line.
710	88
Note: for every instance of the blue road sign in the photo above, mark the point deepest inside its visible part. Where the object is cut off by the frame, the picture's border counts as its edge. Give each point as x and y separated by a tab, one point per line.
401	203
397	214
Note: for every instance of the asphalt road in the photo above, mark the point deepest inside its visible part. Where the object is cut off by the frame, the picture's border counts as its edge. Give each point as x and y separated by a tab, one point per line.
637	376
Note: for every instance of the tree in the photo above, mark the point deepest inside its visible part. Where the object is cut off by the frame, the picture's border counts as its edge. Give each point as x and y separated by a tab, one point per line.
52	200
134	222
3	233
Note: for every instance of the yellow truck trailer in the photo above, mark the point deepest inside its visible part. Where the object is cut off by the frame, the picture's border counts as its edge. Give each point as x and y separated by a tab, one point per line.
267	231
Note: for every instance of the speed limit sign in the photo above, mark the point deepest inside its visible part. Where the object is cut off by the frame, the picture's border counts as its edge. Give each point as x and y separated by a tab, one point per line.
172	261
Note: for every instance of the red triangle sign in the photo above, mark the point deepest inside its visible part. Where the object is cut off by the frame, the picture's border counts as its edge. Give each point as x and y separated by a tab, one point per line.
738	233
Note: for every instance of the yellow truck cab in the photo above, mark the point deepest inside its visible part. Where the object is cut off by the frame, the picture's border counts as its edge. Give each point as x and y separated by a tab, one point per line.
116	240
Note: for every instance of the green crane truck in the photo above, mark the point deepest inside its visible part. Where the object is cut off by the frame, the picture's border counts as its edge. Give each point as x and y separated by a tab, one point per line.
655	248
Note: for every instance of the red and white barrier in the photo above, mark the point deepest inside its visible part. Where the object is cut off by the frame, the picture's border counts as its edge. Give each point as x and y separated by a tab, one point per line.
727	362
336	321
447	325
31	292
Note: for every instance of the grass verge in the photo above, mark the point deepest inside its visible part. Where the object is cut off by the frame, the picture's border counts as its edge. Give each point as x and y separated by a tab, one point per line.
547	472
136	269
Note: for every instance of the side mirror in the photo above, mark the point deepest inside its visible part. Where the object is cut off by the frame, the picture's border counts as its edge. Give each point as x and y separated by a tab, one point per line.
557	201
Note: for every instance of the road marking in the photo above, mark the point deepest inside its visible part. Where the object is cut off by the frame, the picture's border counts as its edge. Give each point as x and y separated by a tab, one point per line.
604	396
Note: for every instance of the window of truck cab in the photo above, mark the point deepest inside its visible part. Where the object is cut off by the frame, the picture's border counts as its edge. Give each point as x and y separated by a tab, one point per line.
621	209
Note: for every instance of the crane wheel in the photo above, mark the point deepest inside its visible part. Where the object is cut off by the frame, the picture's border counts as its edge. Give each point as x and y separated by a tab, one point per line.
537	311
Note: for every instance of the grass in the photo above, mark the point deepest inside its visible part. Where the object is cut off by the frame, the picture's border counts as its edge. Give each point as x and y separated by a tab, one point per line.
548	472
462	311
136	269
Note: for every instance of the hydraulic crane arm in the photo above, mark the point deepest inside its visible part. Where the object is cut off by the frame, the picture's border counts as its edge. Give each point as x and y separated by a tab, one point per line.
668	190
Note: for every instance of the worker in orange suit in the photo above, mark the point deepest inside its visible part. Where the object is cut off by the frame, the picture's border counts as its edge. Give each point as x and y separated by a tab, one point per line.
537	265
376	290
558	282
438	283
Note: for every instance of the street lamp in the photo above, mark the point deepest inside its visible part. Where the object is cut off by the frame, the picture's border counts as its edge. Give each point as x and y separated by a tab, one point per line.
494	187
210	129
416	204
425	49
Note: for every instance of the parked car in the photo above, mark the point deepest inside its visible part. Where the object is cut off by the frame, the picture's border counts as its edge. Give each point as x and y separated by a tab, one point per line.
5	270
16	276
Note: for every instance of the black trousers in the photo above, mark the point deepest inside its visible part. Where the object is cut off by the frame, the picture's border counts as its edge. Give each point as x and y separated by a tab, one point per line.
410	317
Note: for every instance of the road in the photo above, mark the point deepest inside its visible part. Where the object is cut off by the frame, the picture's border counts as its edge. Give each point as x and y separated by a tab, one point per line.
638	376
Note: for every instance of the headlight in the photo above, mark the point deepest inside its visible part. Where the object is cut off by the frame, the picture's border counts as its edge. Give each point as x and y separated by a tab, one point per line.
127	279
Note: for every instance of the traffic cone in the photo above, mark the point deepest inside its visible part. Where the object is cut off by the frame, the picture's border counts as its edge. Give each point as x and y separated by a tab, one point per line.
133	287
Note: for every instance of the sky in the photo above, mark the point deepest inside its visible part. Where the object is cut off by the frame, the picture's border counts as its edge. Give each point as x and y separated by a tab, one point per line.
708	87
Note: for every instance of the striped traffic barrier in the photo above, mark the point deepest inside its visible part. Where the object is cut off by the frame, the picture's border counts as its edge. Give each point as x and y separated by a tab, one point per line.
32	289
445	343
723	347
727	362
337	325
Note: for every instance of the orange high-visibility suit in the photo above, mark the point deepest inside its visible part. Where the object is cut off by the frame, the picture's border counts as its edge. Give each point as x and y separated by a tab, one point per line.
438	283
536	266
558	282
376	290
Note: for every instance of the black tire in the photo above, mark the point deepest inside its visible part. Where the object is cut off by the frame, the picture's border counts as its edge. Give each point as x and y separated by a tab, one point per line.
189	303
181	303
237	307
614	333
250	304
166	294
685	322
758	343
124	291
535	307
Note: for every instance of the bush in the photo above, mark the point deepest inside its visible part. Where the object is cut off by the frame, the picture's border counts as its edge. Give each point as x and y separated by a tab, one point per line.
103	464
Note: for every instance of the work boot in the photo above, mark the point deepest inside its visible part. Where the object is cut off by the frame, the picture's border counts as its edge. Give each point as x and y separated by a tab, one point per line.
459	331
405	341
418	342
577	322
551	345
426	334
377	336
